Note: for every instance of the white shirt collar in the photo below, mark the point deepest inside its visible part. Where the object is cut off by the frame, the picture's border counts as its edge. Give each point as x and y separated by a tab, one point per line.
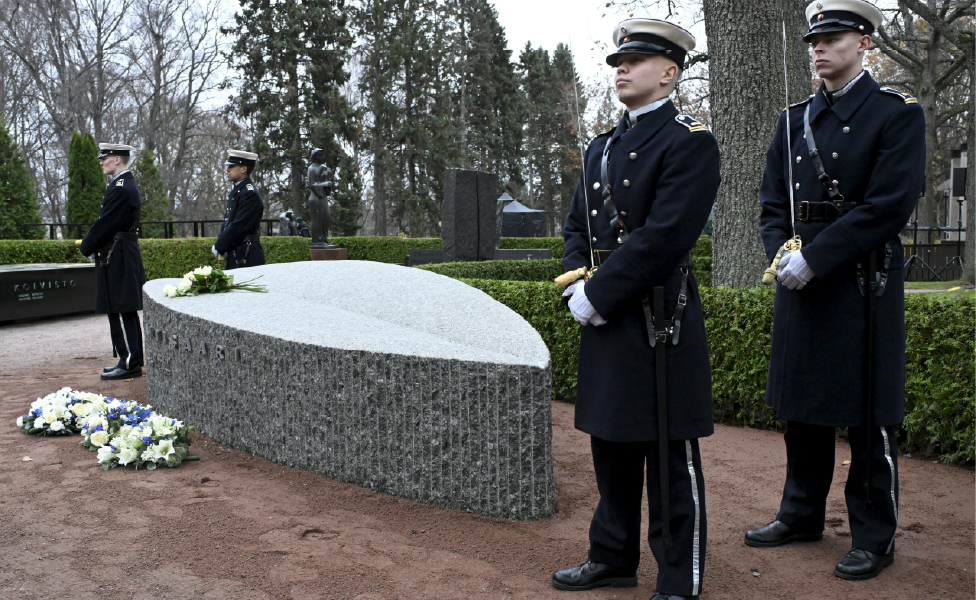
117	176
846	88
633	114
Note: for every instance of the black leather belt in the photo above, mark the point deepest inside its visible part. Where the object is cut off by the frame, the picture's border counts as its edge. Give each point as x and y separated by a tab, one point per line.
822	211
127	235
250	239
601	256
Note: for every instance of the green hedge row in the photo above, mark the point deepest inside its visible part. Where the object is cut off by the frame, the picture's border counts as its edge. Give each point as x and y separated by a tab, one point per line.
501	270
940	359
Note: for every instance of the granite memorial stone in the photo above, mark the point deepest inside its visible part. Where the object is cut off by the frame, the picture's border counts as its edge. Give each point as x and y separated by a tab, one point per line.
398	380
30	291
468	230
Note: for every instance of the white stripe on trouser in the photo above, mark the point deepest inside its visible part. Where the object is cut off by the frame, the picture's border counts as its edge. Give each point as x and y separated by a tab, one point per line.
891	465
128	353
695	548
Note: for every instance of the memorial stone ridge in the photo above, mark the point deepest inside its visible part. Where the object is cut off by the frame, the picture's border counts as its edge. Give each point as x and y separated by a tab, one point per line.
394	379
468	230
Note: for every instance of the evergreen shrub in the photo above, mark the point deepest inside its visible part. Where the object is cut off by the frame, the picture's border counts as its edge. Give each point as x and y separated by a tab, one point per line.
86	183
19	252
18	204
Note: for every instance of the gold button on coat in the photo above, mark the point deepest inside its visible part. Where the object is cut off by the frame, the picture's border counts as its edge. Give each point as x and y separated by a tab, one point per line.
847	130
593	213
835	155
799	158
594	239
633	156
626	183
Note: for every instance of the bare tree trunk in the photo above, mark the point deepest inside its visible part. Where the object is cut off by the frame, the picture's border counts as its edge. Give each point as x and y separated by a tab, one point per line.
969	253
746	98
379	189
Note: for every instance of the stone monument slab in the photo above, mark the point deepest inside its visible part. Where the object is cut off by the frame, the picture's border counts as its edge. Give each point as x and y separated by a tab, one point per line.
31	291
394	379
468	229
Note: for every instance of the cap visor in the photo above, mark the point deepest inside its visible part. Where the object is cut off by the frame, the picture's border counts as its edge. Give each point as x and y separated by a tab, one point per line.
612	59
829	29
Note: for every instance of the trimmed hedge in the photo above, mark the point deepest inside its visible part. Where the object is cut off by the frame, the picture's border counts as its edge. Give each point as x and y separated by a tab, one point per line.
18	252
501	270
940	358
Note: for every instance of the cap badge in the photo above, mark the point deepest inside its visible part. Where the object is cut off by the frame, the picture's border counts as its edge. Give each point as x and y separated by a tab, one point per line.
820	17
626	39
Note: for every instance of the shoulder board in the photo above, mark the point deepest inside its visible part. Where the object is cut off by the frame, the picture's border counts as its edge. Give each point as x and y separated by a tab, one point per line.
250	187
690	123
119	183
801	102
908	98
605	133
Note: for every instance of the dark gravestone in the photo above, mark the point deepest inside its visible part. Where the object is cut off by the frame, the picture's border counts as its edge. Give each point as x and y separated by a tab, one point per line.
424	257
45	290
468	215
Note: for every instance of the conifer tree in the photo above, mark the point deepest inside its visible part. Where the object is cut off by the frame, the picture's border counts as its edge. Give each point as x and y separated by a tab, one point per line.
152	190
86	184
346	201
18	205
291	56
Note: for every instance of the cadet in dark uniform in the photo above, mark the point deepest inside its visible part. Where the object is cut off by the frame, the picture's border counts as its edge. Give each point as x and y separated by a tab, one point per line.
644	198
871	144
113	243
239	242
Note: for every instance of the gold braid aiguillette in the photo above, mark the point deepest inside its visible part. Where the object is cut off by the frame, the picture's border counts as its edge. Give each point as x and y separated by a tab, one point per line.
570	276
792	245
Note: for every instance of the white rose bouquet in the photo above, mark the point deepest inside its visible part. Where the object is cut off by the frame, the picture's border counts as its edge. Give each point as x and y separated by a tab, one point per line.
210	280
63	412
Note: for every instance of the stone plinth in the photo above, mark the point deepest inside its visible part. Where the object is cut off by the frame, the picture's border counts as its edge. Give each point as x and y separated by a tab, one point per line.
394	379
32	291
329	253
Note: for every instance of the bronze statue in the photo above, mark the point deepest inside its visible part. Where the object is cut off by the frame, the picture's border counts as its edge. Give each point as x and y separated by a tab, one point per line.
320	182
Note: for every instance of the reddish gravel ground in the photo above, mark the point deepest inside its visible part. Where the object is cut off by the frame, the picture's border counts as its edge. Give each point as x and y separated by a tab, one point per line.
235	526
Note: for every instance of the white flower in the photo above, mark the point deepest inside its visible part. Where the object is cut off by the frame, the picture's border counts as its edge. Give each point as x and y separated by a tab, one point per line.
105	454
20	421
127	455
99	438
80	409
49	417
185	285
205	271
164	449
57	426
169	291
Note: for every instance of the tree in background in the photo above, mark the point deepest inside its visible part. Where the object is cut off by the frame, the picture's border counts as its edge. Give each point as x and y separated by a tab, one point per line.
291	59
18	205
152	190
347	201
86	184
746	98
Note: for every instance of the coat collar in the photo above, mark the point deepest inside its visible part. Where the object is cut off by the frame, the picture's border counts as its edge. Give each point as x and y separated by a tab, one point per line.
240	185
649	125
845	106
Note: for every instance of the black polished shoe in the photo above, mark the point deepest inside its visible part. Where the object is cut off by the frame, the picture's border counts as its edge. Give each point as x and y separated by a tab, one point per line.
591	575
860	564
109	369
778	533
660	596
120	373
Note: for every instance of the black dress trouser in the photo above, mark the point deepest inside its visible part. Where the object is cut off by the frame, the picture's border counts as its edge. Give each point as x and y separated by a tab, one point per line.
810	467
615	528
127	339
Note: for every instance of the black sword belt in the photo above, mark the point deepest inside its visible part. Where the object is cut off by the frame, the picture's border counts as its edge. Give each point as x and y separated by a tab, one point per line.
822	211
122	235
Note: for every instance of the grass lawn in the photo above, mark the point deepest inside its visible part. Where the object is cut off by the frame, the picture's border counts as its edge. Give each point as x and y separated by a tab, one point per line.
936	285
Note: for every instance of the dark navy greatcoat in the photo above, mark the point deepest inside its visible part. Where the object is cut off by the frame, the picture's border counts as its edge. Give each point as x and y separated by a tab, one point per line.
872	141
118	286
664	173
242	218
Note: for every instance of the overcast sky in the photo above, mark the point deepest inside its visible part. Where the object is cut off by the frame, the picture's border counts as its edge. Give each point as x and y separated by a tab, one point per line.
580	23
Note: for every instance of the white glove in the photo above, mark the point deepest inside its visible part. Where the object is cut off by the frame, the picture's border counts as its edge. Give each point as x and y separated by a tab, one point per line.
796	273
91	257
214	250
571	288
582	310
